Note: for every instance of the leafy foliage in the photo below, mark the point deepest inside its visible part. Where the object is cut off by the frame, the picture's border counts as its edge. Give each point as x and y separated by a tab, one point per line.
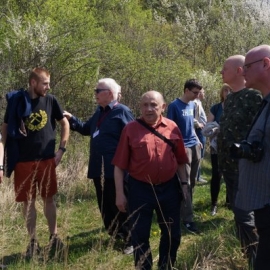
143	44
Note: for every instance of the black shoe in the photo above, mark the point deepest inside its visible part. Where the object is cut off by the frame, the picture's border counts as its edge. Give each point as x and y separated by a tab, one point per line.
55	246
33	249
191	227
213	210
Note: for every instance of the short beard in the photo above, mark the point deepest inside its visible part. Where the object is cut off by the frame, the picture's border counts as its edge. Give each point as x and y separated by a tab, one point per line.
38	94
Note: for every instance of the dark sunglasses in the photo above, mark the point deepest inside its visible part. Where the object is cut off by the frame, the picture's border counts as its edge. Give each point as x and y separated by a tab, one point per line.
97	90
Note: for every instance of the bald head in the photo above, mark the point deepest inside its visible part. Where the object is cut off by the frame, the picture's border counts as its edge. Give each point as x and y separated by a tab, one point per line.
152	106
232	72
257	69
236	61
259	51
154	94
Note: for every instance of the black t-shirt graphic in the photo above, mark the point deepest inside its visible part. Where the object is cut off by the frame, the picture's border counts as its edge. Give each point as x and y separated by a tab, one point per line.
40	129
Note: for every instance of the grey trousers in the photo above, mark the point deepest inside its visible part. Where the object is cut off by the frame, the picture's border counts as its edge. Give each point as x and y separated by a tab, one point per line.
194	156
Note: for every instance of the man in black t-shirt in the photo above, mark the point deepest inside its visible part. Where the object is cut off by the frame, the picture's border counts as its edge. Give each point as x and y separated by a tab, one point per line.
29	137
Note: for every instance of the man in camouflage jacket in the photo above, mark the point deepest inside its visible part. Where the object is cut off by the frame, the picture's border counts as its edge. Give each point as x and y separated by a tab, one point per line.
240	108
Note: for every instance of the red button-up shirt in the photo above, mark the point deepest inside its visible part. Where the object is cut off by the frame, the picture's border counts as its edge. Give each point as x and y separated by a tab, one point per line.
147	157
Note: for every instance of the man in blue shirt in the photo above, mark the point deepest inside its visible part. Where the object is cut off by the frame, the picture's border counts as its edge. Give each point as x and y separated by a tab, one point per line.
105	127
181	111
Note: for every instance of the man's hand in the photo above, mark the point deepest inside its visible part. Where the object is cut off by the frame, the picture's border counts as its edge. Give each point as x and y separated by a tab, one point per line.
58	156
68	115
185	190
200	125
121	202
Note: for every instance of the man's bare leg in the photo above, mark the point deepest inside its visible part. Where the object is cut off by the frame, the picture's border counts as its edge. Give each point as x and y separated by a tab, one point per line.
49	209
30	215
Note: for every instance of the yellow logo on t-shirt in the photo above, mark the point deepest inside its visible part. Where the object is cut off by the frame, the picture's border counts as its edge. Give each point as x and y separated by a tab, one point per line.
37	121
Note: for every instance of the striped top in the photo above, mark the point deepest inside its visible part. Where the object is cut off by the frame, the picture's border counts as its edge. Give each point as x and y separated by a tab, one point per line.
254	178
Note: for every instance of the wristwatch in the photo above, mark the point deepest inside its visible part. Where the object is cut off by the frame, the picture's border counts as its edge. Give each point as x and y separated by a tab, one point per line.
1	167
63	149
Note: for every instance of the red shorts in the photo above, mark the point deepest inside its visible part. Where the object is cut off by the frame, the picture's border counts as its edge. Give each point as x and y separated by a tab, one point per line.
32	174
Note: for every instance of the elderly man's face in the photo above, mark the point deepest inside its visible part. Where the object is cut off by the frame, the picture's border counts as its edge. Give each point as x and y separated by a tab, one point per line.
252	68
103	94
152	106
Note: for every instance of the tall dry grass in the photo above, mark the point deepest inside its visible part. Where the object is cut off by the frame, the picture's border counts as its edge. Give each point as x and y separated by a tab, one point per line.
87	244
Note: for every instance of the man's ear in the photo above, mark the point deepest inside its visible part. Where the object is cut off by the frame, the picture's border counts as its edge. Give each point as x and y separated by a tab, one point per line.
240	70
33	82
164	105
266	63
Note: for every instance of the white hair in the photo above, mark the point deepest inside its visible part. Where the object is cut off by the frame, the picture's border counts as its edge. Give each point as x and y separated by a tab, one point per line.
112	85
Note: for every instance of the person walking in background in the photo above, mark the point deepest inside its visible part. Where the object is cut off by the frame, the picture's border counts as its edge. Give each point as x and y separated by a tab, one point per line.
199	123
181	111
151	149
240	108
29	134
105	127
211	130
254	170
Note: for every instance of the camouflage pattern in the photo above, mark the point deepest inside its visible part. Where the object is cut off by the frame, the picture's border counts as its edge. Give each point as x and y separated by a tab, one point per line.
239	110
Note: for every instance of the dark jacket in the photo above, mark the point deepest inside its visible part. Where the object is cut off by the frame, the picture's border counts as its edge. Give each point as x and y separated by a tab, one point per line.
109	122
18	107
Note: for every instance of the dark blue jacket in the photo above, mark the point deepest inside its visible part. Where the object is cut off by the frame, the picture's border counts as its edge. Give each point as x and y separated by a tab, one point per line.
18	107
109	122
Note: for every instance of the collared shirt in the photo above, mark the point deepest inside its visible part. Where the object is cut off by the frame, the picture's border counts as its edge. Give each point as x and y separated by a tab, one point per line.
239	110
254	178
147	157
104	127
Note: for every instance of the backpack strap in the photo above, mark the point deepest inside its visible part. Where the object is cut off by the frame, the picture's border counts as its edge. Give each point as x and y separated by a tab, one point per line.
156	133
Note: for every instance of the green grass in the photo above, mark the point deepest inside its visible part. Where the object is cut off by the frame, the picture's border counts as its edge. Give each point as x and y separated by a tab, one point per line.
89	246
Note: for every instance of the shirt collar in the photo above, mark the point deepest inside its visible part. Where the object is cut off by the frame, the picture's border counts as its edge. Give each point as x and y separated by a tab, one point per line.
110	105
162	121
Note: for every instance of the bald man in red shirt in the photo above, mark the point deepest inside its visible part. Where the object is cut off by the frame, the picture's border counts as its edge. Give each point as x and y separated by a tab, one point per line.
153	185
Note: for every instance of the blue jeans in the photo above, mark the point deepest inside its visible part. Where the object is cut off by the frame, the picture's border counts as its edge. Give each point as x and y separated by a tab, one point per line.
165	200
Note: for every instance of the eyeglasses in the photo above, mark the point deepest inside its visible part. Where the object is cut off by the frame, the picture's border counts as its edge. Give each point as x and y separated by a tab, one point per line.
247	66
98	90
195	93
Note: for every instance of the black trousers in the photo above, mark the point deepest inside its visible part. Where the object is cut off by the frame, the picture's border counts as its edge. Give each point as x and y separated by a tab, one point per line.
115	222
244	220
215	180
262	222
